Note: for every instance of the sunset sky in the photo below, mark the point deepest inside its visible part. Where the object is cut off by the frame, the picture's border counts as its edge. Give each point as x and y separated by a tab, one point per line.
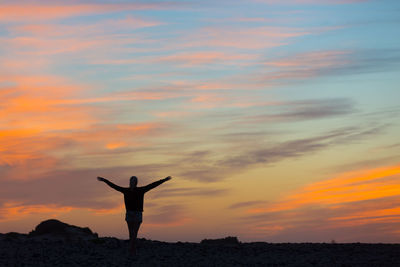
277	119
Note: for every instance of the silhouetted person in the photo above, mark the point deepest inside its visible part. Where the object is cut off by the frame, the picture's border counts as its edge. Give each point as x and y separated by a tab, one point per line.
133	197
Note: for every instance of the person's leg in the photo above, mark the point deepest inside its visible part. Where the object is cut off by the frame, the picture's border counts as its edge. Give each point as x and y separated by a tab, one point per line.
131	235
136	227
133	227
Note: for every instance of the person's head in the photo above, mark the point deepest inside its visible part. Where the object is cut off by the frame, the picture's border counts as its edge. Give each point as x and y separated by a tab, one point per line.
133	182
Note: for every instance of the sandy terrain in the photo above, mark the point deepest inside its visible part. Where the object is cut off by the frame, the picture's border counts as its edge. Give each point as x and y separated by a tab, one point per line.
21	250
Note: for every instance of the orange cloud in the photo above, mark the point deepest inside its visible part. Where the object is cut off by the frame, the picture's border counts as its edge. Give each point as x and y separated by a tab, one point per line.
31	109
28	154
15	211
38	102
381	214
177	222
20	145
172	114
168	216
145	95
97	138
117	209
209	100
115	145
364	198
41	86
349	187
45	119
39	115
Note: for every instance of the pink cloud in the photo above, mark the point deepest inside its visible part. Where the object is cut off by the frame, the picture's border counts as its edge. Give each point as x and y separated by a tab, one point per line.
90	40
172	114
132	22
206	57
97	138
243	38
318	59
40	46
41	30
314	2
305	65
51	11
91	45
207	99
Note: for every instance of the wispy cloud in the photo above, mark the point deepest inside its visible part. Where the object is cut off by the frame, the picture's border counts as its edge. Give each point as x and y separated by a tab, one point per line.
259	153
311	2
309	65
246	204
66	187
17	211
349	187
207	57
102	27
24	148
305	110
242	38
167	216
296	148
305	65
188	192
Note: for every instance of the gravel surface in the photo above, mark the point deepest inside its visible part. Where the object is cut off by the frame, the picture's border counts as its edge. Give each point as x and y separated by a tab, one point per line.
21	250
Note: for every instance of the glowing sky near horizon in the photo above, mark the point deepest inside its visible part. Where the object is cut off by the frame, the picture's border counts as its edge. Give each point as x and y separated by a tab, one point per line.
278	120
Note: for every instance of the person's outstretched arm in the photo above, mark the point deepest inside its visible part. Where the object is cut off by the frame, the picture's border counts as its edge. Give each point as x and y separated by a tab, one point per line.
110	184
155	184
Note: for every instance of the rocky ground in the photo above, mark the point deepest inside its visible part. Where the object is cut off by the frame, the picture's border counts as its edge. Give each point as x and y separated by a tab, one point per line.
21	250
54	243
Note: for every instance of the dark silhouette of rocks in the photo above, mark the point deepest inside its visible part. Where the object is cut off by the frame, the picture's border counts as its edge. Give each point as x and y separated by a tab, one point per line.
230	240
81	247
12	235
56	228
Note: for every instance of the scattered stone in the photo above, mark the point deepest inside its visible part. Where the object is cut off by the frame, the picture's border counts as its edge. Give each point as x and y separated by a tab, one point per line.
230	240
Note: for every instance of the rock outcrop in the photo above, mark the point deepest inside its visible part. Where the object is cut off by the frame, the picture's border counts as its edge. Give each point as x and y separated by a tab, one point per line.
58	229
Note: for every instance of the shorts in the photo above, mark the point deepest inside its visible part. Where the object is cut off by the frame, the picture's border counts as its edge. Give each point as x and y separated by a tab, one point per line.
133	216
